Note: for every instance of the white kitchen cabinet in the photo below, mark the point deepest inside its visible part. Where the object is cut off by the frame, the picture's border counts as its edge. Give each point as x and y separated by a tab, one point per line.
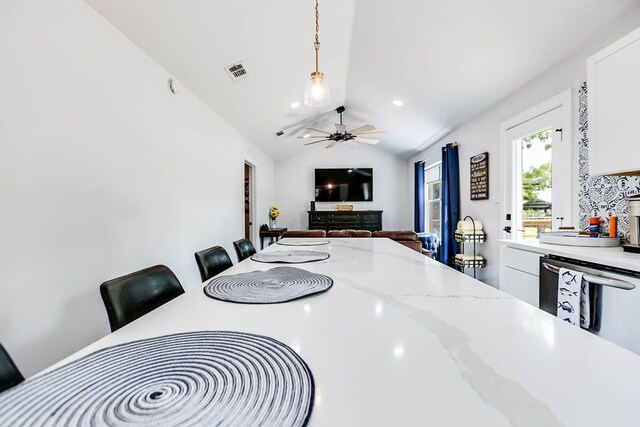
519	274
523	286
613	86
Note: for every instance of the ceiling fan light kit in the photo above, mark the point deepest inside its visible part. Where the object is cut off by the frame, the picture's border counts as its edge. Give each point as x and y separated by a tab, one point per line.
317	92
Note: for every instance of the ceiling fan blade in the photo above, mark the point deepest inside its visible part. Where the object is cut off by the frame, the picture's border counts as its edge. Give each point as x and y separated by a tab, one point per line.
351	144
363	129
373	135
324	132
311	136
332	144
366	140
315	142
341	128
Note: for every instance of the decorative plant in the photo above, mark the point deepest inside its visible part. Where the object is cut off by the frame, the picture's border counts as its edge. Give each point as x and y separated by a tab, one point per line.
274	212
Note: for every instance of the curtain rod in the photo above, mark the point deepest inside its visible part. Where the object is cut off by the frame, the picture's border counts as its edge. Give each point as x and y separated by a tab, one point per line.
429	159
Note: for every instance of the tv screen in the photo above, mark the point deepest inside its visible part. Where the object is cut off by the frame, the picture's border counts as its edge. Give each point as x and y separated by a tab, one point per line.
344	185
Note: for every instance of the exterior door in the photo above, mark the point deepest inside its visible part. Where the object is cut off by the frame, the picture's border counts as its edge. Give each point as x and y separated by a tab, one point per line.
539	191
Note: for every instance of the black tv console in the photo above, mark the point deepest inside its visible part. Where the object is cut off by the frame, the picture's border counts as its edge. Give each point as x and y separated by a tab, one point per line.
345	220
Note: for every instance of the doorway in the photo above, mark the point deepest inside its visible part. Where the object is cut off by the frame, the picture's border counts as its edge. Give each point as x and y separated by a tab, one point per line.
249	185
538	168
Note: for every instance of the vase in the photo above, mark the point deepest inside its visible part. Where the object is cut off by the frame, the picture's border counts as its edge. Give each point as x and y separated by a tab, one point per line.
273	223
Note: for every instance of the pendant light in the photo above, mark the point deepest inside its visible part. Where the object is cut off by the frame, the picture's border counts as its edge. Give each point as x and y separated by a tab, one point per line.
317	93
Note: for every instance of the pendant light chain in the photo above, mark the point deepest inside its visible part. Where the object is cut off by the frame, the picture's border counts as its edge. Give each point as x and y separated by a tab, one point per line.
317	42
316	93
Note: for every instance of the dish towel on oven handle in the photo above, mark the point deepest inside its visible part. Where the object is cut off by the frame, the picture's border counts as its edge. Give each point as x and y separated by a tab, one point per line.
573	298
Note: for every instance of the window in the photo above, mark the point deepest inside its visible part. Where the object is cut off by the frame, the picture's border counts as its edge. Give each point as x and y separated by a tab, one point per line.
432	177
535	190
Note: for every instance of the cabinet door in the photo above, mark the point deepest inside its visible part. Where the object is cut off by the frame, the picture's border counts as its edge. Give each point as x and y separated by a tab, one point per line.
613	85
521	285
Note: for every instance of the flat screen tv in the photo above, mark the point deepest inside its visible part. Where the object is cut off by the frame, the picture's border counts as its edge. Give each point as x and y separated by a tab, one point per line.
344	185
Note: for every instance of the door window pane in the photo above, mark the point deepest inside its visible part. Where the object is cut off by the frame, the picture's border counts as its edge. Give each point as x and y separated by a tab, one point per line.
535	192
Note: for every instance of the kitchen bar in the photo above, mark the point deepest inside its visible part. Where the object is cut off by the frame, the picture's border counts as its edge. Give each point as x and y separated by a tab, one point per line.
403	340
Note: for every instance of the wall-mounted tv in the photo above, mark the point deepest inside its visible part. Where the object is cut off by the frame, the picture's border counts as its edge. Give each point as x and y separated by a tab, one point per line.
344	185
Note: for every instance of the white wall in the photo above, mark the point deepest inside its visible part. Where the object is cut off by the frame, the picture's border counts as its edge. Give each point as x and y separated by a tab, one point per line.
482	134
102	172
294	184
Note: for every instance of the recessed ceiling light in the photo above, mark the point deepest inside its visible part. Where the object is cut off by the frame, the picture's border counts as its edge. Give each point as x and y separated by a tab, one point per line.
295	104
397	103
306	135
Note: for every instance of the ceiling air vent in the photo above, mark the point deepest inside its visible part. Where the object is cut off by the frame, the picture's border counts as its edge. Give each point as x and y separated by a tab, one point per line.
237	72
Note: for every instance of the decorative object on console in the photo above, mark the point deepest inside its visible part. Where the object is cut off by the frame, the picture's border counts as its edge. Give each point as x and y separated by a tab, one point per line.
601	196
344	208
274	211
366	134
479	177
316	93
469	231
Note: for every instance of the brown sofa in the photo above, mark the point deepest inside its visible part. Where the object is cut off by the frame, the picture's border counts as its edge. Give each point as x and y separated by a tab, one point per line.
349	233
407	238
305	233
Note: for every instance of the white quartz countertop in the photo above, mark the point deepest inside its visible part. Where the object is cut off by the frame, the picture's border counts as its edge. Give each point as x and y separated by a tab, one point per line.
401	340
614	257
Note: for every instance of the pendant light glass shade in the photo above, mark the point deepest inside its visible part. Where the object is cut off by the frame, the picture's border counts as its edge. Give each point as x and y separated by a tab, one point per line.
317	93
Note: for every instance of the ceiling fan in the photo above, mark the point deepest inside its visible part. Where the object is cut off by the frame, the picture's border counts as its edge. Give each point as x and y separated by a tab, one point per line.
366	134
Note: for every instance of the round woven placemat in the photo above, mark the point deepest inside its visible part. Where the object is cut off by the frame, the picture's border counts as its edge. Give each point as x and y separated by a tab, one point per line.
190	379
280	284
290	257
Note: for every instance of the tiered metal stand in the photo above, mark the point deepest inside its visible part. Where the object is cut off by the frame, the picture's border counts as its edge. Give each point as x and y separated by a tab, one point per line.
474	238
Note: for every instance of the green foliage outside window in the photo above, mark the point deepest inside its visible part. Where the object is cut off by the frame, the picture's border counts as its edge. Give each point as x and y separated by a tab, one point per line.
536	178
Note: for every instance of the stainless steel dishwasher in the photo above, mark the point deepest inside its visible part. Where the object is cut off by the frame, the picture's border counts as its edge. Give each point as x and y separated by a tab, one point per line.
615	298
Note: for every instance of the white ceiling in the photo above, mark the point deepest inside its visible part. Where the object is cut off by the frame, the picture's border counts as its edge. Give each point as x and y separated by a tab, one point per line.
447	60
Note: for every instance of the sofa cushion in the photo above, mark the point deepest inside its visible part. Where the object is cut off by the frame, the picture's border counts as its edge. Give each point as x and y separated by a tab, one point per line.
415	245
349	233
397	235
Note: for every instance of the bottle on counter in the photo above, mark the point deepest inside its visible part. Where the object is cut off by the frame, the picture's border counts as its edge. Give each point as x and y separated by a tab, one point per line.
594	226
613	226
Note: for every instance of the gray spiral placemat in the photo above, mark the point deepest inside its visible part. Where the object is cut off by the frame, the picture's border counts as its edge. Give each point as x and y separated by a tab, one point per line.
191	379
280	284
302	242
290	257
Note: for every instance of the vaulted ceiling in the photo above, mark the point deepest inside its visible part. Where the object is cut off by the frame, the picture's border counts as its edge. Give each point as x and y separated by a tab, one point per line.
446	60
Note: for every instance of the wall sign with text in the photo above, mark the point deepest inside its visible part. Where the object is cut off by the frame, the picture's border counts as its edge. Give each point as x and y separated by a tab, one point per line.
479	181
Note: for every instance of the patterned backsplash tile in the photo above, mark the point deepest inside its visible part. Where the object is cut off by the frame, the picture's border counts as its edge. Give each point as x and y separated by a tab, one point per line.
601	196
